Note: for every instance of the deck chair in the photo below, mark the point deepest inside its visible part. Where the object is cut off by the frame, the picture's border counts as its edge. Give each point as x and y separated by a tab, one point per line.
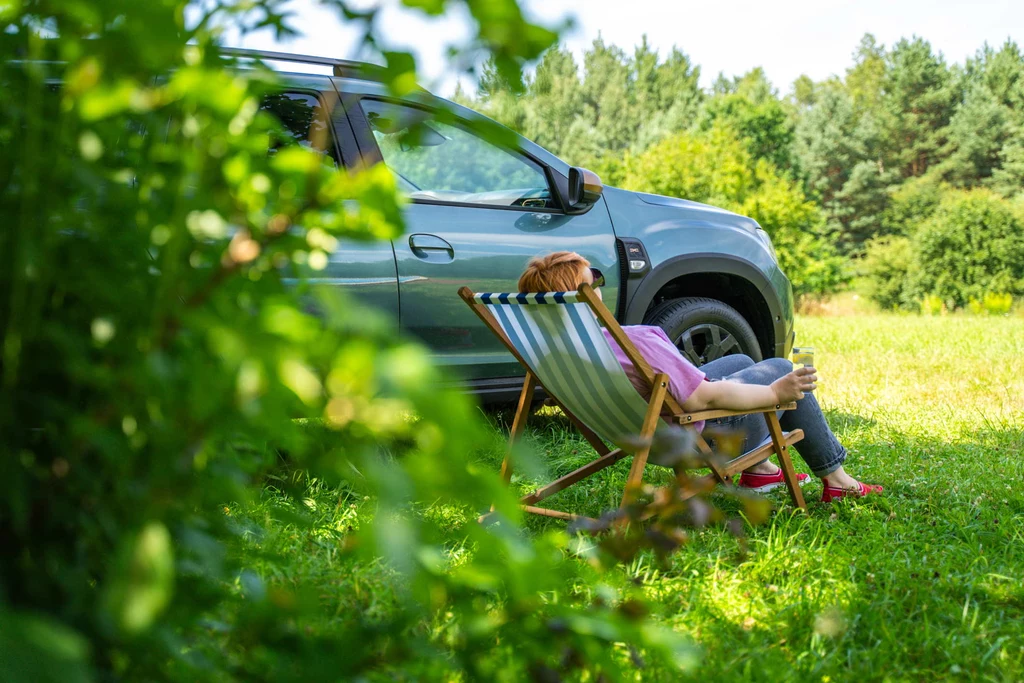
557	338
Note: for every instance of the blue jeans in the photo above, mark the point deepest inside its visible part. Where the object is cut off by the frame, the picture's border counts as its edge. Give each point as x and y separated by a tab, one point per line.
819	448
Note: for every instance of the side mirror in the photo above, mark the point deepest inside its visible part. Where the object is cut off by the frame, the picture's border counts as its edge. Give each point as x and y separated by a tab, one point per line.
585	189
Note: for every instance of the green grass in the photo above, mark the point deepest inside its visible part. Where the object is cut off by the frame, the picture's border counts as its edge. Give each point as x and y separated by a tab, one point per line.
923	582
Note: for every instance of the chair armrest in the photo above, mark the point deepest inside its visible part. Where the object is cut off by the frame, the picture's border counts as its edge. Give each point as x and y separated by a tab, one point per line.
690	418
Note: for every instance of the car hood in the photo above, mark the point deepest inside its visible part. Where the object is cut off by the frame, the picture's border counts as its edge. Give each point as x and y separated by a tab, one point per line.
676	203
634	213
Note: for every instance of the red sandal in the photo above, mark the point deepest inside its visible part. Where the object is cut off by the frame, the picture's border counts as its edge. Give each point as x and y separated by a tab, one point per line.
830	493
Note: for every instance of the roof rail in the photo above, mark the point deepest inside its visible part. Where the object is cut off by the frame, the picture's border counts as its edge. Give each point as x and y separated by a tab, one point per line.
343	68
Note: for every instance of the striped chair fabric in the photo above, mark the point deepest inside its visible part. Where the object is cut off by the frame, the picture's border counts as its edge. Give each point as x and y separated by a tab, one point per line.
561	340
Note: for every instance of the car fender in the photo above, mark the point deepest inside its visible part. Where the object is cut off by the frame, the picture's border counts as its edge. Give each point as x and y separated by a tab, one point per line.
711	263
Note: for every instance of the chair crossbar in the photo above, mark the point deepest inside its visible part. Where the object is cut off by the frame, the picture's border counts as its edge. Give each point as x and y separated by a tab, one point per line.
693	418
526	299
737	465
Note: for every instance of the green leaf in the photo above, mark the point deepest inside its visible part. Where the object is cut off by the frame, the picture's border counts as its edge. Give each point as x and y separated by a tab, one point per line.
433	7
38	649
107	100
143	580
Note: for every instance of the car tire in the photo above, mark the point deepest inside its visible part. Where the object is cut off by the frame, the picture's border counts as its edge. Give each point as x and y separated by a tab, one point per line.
705	329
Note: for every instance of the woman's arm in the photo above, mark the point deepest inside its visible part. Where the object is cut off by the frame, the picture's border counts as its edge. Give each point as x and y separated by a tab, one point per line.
726	395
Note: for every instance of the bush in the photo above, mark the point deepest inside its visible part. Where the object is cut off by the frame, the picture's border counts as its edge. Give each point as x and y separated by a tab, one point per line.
714	167
156	365
969	252
932	304
885	267
911	203
972	245
992	304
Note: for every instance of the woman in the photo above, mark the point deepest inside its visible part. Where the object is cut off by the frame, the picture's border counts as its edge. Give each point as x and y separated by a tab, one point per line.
729	383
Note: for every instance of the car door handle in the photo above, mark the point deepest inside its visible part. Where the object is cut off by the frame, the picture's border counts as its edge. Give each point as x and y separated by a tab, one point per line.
423	245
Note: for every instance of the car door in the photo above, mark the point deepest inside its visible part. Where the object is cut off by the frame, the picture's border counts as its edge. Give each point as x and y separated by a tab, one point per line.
365	270
477	213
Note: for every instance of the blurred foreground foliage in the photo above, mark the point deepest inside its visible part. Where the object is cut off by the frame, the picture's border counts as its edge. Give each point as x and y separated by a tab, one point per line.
156	367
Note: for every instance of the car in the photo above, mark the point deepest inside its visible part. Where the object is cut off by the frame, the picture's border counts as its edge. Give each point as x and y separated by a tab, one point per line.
480	208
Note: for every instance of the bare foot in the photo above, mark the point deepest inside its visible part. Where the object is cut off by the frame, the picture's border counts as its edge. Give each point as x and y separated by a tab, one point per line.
841	480
766	467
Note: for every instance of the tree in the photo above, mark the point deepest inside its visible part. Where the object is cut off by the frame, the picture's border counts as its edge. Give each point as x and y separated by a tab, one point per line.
886	268
607	100
978	133
555	101
715	167
752	108
804	92
1008	179
678	82
622	104
494	81
911	203
1002	73
667	95
918	102
832	151
865	79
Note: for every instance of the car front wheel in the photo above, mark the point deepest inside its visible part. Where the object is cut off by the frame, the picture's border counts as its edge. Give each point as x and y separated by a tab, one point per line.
705	329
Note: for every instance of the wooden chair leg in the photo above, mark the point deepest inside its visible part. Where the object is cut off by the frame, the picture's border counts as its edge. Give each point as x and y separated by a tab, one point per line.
782	449
518	424
650	424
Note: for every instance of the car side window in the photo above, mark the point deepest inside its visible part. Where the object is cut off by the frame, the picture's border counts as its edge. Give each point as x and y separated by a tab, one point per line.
304	120
436	161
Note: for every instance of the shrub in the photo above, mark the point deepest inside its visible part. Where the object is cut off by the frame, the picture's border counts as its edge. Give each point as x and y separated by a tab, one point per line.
932	304
972	245
885	268
992	304
155	365
911	203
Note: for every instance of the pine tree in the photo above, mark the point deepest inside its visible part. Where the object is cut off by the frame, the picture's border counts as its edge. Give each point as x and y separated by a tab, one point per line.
554	102
833	148
918	101
606	96
864	80
978	132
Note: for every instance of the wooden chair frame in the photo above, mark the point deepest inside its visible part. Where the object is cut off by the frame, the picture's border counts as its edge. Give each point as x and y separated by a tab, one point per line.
661	398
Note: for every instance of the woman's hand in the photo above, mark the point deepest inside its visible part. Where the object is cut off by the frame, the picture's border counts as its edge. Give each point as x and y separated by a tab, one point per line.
792	386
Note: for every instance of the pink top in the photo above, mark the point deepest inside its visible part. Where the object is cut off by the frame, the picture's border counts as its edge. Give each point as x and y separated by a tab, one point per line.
662	355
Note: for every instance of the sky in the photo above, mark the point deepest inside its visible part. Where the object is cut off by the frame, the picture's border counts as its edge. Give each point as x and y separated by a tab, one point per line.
787	37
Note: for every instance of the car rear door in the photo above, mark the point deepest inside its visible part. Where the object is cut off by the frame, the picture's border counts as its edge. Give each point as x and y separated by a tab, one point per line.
312	116
478	212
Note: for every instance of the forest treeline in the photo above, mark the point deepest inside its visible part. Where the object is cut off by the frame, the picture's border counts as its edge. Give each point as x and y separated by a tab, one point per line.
877	172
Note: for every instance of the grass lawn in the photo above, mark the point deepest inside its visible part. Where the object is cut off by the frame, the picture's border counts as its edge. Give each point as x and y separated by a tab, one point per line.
923	582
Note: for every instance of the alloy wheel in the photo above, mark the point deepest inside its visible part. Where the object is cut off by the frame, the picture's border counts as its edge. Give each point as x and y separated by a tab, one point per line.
706	342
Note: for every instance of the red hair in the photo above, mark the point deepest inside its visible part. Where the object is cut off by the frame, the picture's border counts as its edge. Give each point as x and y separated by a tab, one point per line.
561	271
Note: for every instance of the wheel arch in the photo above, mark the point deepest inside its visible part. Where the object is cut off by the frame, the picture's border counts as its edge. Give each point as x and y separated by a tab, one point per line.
731	280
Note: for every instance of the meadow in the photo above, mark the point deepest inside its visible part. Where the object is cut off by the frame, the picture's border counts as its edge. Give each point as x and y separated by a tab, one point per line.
924	582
